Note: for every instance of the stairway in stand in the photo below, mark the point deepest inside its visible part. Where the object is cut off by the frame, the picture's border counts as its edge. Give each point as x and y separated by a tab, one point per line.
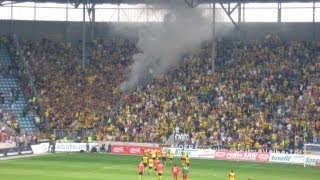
8	83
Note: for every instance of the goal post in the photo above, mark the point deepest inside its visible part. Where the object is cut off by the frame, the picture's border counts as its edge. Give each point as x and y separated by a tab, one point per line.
311	155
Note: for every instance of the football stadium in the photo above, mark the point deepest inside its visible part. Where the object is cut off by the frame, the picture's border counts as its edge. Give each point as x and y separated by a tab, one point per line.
160	89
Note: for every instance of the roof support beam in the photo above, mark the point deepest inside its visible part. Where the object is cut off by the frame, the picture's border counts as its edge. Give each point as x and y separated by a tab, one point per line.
84	37
229	13
4	2
314	19
279	12
193	3
235	7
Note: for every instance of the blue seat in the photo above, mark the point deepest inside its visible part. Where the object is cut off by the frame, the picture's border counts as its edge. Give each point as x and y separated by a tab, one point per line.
6	84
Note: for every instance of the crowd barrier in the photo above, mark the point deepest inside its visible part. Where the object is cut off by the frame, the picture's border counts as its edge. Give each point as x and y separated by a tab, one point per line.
15	151
40	148
73	147
265	157
62	147
287	158
7	145
242	156
127	143
311	160
136	150
193	153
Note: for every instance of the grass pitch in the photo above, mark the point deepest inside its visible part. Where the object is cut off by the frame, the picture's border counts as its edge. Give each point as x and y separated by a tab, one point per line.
89	166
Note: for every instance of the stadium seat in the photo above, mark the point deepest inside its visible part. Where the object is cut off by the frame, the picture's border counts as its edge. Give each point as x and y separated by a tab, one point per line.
8	82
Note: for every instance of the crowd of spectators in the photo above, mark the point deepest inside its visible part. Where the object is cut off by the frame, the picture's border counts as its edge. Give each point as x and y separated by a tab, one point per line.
72	98
8	119
265	93
23	139
262	93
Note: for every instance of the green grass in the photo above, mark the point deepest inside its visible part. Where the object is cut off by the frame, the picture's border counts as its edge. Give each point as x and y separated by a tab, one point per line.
80	166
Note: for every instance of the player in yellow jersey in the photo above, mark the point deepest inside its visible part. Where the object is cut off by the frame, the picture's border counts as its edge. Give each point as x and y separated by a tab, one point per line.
187	160
232	176
159	154
150	164
183	156
154	154
171	156
146	152
145	161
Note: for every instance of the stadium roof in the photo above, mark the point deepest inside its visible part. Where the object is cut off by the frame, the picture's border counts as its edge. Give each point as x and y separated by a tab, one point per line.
155	1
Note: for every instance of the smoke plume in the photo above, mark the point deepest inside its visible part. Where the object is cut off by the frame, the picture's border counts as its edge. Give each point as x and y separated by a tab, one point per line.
182	32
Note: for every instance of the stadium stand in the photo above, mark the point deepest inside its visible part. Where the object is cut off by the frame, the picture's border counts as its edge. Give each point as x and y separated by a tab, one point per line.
13	101
263	93
261	97
68	95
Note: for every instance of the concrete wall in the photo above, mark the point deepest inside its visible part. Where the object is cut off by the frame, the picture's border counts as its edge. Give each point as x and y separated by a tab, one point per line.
72	31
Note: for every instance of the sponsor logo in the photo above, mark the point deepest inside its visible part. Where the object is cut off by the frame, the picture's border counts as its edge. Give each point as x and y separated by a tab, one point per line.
281	158
248	156
184	146
287	158
220	154
135	150
118	149
69	147
313	161
131	149
232	155
240	155
263	157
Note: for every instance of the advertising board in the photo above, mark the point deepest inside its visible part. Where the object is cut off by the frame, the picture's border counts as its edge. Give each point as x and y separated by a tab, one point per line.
242	156
73	147
137	150
287	158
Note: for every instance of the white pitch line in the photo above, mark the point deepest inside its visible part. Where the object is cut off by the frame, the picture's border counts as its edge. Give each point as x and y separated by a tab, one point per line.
214	175
249	165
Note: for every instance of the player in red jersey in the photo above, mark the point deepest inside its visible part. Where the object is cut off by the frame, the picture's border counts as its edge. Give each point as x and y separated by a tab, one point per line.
175	172
159	168
156	162
140	170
